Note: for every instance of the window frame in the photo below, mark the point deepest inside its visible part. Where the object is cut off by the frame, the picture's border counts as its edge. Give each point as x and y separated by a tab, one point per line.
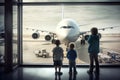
20	5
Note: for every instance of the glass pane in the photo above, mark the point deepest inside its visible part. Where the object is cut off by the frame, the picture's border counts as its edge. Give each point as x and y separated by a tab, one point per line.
2	45
15	40
46	18
15	0
42	19
70	0
1	1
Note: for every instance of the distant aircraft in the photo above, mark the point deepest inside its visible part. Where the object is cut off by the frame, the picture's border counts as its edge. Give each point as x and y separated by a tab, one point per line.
1	41
2	34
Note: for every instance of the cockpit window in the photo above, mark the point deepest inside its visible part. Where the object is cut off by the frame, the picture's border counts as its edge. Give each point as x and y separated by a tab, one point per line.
67	27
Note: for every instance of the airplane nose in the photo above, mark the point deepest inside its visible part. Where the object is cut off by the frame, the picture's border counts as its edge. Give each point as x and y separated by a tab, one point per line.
64	35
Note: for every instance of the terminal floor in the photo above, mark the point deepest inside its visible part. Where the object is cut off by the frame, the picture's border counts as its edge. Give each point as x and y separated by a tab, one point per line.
47	73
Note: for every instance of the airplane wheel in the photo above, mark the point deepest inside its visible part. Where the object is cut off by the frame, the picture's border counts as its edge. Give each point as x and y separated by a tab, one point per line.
66	49
53	41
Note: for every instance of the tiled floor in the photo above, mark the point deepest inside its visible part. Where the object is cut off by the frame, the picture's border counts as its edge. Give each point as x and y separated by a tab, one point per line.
31	73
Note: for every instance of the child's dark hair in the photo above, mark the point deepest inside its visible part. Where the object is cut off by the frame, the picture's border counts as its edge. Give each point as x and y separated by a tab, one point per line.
57	42
94	31
71	46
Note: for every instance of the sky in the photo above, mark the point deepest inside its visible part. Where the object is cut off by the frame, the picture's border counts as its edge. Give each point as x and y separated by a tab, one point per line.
47	17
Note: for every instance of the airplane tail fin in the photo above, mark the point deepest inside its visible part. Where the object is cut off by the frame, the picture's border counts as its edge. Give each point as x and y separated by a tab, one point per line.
62	11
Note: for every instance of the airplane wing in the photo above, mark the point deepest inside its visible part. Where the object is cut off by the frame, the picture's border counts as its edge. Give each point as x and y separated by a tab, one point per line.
84	32
37	30
51	35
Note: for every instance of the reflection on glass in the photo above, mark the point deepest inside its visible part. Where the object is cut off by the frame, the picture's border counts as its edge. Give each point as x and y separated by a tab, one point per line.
39	51
1	1
2	45
15	53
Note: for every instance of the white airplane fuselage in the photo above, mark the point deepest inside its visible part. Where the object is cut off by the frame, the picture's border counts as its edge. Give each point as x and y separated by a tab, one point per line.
67	30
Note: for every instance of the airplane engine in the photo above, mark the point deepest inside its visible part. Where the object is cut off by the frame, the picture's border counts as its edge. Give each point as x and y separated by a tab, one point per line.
86	37
47	37
35	35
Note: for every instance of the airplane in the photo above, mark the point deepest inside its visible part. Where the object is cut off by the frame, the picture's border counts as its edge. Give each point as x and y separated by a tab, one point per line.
67	30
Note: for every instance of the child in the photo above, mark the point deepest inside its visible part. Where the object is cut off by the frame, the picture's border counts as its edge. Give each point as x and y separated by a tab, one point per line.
93	49
72	55
57	57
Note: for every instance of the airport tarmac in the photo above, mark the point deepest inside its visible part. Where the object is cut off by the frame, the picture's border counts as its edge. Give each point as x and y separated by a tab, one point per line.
30	51
31	47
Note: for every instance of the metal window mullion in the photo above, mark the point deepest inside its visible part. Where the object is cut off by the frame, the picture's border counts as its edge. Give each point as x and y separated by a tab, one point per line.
8	35
20	48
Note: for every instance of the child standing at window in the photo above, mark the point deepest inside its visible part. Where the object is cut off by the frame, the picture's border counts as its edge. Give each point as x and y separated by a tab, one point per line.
57	57
72	55
93	50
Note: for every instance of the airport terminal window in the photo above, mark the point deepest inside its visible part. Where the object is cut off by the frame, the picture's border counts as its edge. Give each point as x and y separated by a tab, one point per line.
2	45
36	18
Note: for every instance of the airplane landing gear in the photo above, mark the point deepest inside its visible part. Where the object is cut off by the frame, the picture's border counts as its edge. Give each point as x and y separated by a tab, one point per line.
53	41
82	42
